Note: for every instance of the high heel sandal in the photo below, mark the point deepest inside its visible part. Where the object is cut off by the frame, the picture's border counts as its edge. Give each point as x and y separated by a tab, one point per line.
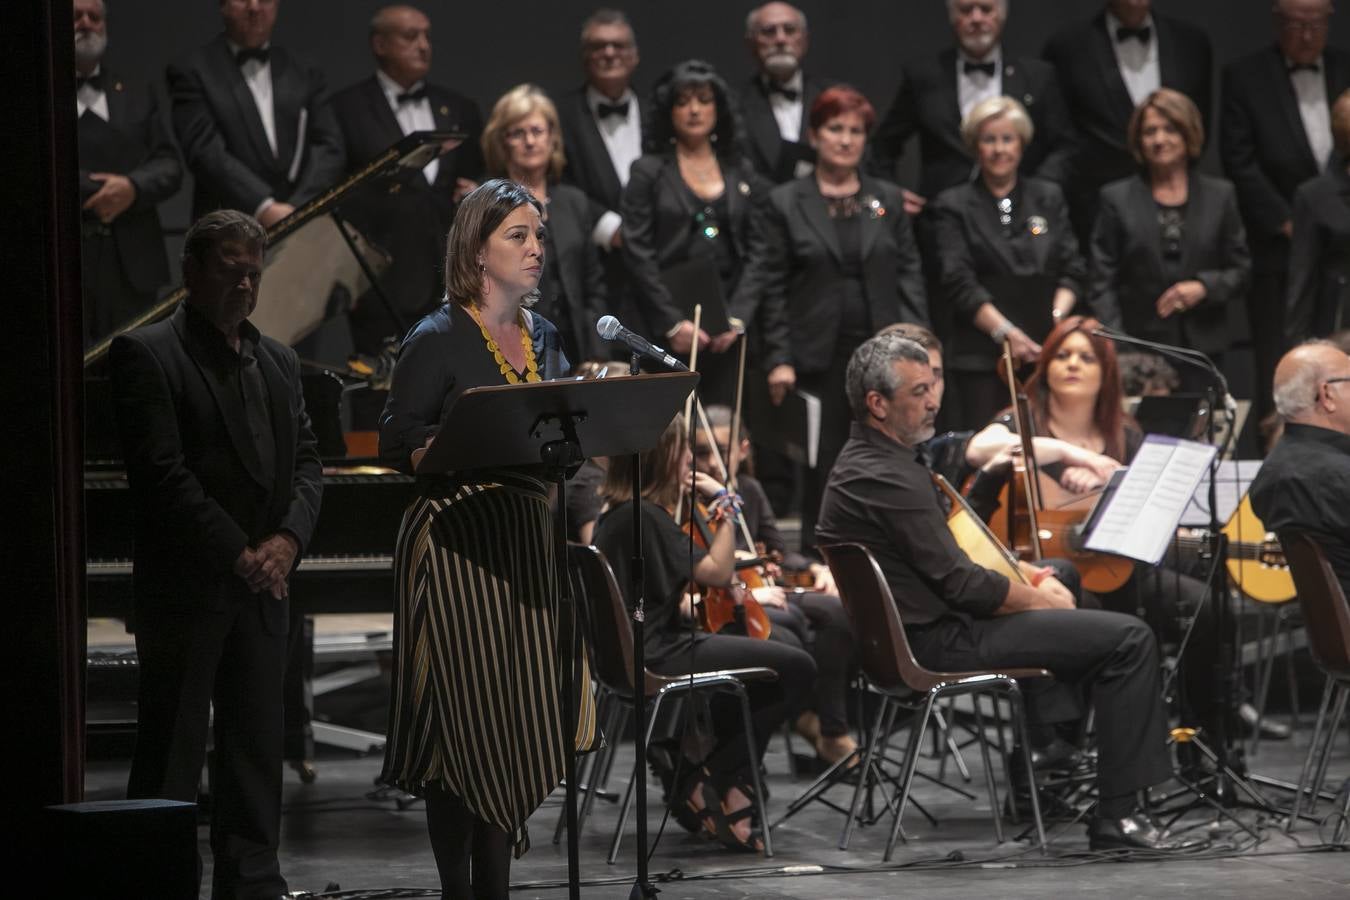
720	821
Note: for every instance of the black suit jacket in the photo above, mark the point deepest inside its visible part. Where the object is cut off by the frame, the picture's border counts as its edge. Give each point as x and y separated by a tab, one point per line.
578	267
1084	57
222	136
773	157
792	281
588	164
658	230
199	493
1264	146
1128	273
927	104
1319	263
406	215
135	143
972	249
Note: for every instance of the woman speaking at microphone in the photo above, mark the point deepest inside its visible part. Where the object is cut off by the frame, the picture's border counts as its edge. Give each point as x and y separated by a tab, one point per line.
476	722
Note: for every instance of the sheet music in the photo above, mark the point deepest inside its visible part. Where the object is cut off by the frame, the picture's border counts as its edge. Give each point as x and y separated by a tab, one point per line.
1235	477
1142	516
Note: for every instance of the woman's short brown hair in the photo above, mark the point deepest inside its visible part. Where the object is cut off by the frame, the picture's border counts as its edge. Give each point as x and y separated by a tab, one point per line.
480	213
521	101
1176	108
1340	124
661	476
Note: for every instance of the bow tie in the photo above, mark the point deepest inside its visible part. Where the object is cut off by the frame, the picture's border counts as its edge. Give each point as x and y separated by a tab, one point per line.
1295	68
94	81
412	96
986	67
605	110
244	54
787	93
1143	34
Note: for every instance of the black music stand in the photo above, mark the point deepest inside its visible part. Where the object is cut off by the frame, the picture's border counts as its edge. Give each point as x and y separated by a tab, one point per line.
559	424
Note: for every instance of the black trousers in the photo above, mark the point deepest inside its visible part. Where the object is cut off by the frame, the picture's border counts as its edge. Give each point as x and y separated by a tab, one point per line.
188	661
110	300
298	689
980	396
1107	658
770	702
1265	315
835	421
819	624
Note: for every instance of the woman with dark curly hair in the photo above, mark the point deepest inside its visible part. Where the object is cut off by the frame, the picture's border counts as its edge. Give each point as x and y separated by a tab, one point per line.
690	197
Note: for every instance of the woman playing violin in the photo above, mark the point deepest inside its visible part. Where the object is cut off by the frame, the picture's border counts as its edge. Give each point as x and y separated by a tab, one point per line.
715	792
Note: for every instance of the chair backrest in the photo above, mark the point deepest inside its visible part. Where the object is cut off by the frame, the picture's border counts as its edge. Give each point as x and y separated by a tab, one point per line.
883	648
1325	611
611	635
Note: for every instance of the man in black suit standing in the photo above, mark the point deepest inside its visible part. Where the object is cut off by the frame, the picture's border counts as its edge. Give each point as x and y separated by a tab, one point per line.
604	127
128	165
1107	66
252	120
936	93
226	483
777	100
409	215
1275	134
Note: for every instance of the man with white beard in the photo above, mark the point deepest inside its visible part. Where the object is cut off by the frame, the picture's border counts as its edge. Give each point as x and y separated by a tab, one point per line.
127	166
777	101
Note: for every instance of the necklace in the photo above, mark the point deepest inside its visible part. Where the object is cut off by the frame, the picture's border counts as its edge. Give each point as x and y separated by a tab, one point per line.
531	365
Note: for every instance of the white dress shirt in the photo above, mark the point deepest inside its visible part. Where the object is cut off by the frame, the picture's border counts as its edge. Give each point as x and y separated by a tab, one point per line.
1310	87
623	143
788	113
258	76
973	87
92	99
414	115
1137	60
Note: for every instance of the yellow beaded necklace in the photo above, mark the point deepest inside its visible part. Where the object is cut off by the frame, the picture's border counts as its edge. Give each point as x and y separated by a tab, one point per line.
531	364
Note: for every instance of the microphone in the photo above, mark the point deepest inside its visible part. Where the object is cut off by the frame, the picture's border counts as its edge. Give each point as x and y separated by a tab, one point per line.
610	329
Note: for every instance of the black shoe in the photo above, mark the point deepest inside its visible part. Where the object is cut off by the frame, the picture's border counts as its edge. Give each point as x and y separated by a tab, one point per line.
1138	831
1270	729
1057	756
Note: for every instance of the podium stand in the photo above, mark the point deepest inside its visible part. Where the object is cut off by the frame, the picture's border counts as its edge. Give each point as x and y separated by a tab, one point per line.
558	424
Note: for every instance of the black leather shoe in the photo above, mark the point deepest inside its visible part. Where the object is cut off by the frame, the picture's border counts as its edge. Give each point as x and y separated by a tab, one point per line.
1057	756
1138	831
1270	729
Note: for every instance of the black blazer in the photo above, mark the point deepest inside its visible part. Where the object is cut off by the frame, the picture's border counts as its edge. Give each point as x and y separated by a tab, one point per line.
773	157
1128	269
222	136
199	494
577	262
1084	57
927	104
972	248
135	143
659	230
1264	146
793	283
1319	262
588	164
405	215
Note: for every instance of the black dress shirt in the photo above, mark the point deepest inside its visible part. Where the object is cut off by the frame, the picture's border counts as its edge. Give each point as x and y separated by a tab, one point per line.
240	371
1304	485
881	495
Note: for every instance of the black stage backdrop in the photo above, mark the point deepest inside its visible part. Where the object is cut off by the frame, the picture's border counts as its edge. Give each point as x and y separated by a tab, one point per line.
484	48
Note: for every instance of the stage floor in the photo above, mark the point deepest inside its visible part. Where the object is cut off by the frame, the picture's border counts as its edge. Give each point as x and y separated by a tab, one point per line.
335	834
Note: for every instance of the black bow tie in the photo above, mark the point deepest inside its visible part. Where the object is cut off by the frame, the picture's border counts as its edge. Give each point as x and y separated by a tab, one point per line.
1295	68
787	93
244	54
605	110
1143	34
94	81
986	67
412	96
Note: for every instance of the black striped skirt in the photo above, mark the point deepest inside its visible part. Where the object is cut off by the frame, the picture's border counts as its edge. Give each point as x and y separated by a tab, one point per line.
477	702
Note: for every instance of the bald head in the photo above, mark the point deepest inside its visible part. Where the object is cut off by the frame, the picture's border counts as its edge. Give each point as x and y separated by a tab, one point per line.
1312	386
400	39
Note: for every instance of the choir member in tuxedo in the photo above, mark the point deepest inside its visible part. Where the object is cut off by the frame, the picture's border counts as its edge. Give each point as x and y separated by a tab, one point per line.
226	484
1168	249
834	259
1008	234
1275	134
1107	66
690	197
409	215
523	142
1318	301
128	165
604	126
778	96
937	93
252	120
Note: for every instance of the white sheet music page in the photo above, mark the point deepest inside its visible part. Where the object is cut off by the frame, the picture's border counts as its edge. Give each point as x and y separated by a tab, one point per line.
1142	516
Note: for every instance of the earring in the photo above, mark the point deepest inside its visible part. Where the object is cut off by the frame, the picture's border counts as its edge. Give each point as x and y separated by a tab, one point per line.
712	138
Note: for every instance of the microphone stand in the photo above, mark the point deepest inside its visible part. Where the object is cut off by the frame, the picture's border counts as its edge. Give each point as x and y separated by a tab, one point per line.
1230	767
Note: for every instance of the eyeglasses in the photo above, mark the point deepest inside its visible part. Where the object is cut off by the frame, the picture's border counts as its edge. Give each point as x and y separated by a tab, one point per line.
1337	380
1304	26
518	135
591	47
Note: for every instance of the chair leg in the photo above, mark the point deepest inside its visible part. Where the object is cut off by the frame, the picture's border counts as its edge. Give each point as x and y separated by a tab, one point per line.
1306	772
755	781
787	747
1003	755
1291	674
615	717
1019	715
907	780
988	769
632	781
1338	707
942	735
1268	639
855	808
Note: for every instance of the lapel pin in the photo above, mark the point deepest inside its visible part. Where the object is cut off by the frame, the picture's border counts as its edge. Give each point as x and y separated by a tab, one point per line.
117	86
744	188
1027	99
875	209
445	110
1037	226
1010	69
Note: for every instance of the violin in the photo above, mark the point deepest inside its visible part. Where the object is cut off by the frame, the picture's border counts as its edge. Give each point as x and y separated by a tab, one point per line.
734	607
